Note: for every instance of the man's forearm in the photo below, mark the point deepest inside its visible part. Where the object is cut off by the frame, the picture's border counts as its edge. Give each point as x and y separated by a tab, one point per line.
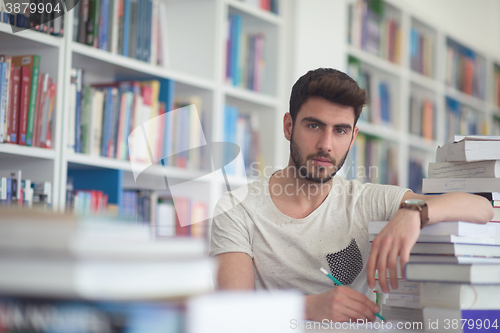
459	206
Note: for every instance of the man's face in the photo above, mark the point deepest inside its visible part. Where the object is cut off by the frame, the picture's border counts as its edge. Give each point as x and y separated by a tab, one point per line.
321	138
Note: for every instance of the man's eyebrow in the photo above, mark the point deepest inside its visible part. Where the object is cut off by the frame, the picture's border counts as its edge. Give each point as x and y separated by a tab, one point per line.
316	120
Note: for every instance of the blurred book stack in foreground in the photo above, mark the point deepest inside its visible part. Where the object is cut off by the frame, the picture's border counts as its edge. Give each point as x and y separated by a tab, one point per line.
95	276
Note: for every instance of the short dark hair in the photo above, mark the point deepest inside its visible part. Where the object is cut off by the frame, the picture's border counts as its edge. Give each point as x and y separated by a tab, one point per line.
330	84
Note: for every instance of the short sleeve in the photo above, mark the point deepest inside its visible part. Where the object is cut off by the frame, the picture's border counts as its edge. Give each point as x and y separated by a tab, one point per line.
381	202
230	232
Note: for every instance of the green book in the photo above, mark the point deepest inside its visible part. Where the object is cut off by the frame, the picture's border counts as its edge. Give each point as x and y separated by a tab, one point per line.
33	95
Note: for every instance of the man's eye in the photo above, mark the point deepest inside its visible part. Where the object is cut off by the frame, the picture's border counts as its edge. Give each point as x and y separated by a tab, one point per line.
313	126
341	131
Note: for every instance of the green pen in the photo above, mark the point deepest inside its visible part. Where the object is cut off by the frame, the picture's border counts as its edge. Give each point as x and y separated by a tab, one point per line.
341	284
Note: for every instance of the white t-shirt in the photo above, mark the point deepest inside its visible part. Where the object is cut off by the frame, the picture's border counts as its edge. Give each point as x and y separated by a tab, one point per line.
288	253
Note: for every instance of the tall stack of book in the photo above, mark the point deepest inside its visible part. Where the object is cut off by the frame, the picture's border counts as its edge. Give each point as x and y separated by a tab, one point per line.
60	274
442	250
467	164
27	102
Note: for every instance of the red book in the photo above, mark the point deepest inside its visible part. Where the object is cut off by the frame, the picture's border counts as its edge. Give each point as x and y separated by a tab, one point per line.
24	104
181	216
15	95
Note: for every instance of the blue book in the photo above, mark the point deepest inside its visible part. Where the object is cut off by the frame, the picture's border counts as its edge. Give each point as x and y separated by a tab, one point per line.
3	97
126	27
138	31
103	29
108	105
166	95
235	54
149	11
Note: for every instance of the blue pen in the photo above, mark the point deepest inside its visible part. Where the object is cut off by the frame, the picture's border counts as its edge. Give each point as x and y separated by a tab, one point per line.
341	284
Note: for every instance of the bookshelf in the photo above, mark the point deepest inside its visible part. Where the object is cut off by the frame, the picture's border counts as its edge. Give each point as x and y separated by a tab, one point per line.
197	33
427	68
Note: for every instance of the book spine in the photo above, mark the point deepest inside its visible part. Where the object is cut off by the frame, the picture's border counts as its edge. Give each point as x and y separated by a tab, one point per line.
8	93
24	104
38	109
14	103
32	101
3	97
126	28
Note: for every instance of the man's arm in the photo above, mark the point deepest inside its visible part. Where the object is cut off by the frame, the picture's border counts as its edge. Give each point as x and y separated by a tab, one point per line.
235	271
402	231
338	304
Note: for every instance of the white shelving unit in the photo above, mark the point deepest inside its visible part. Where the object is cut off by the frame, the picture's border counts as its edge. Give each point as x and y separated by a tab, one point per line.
197	47
331	43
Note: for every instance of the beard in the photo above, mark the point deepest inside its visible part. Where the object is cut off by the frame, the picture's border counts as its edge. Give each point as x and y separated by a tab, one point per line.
315	175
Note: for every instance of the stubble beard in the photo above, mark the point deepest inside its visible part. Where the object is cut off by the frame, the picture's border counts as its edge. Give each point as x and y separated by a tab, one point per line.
303	170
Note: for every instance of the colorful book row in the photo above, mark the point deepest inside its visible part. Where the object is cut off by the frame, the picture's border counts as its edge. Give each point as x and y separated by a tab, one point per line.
462	119
46	16
245	64
171	211
465	70
372	160
132	28
422	117
27	102
269	5
16	191
421	53
379	109
375	29
242	129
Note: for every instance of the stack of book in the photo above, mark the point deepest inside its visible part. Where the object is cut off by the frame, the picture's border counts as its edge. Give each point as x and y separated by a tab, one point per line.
467	164
60	274
27	102
443	247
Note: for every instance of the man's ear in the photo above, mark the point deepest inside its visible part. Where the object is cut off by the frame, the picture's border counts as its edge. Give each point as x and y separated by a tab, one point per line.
288	126
354	135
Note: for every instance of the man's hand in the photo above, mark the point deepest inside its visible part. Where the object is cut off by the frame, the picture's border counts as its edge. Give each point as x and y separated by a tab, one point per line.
340	304
395	240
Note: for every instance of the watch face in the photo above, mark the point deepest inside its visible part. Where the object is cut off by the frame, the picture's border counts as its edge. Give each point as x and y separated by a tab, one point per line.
415	202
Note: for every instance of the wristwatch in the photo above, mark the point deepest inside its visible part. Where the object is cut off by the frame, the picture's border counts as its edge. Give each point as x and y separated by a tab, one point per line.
421	206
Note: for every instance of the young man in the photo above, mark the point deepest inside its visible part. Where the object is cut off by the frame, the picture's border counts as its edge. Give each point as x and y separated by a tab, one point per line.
304	217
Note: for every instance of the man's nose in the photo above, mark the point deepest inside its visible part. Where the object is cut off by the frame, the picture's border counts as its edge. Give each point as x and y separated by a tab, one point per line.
325	142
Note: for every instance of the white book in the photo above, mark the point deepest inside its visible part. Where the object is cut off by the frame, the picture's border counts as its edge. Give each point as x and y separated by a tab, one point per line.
472	185
103	279
403	303
468	149
154	32
165	220
457	249
114	35
404	287
14	174
72	112
445	228
451	239
456	273
96	123
164	34
480	169
430	258
459	296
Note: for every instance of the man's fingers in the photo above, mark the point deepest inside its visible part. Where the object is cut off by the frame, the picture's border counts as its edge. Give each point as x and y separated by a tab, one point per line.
393	266
370	266
382	264
404	257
